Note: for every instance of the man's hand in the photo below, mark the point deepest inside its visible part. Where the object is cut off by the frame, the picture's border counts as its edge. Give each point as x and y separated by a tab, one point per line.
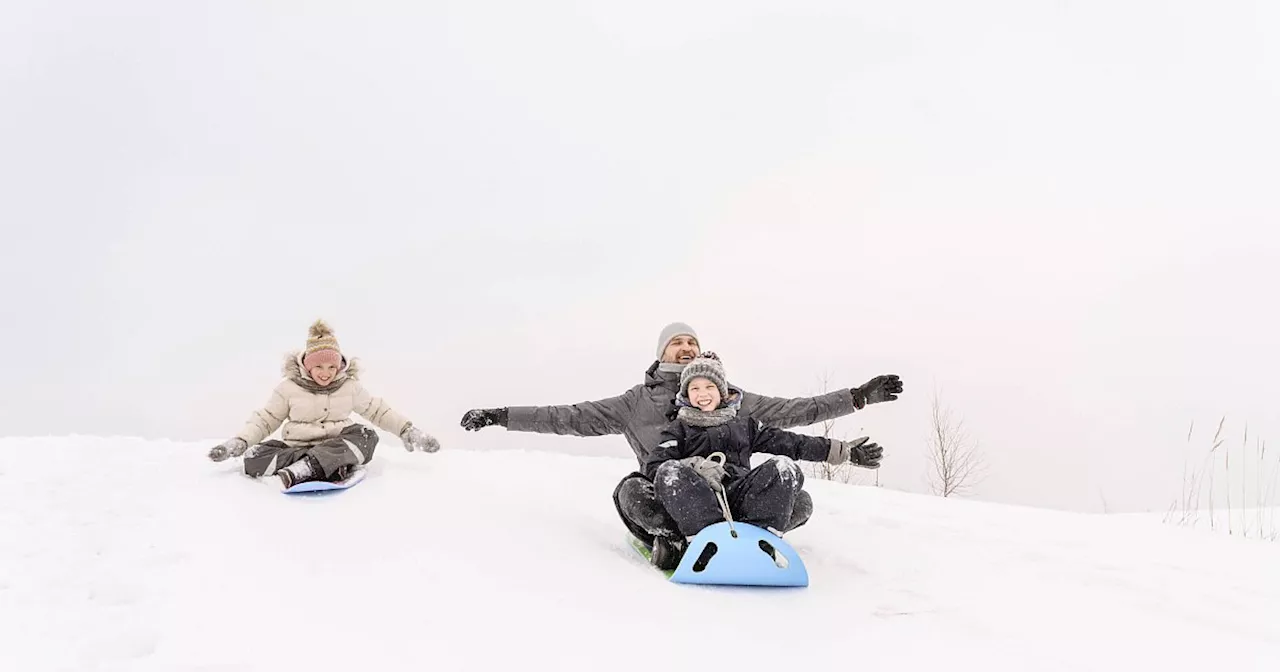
878	389
479	418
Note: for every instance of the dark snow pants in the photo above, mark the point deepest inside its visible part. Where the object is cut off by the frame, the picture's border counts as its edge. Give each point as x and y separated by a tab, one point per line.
645	515
336	456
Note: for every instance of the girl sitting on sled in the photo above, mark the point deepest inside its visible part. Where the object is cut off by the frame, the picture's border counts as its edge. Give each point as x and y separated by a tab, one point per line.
314	403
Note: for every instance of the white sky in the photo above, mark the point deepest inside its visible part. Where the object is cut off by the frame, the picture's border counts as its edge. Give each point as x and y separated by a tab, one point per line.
1061	214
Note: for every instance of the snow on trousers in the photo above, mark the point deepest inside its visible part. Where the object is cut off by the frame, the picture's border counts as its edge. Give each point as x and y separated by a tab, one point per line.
765	497
637	503
352	447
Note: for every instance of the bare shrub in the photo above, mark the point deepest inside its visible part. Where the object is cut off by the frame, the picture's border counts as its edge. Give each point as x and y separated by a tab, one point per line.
956	461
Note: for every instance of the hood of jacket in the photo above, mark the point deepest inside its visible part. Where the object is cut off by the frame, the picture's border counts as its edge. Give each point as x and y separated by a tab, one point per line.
655	377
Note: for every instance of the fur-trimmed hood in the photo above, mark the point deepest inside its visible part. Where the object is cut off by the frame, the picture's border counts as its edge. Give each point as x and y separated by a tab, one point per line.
292	369
307	413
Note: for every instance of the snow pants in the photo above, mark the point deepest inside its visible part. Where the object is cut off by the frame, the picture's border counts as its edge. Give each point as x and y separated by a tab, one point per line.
645	514
336	456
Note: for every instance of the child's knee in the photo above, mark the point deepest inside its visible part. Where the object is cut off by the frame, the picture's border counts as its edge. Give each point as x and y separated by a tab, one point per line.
366	434
667	473
788	471
262	465
674	475
633	488
784	464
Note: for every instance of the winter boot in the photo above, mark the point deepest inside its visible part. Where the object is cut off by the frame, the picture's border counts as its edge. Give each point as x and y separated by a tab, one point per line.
667	551
306	469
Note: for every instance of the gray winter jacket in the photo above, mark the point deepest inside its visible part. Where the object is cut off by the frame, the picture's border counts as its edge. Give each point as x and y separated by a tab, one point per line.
641	413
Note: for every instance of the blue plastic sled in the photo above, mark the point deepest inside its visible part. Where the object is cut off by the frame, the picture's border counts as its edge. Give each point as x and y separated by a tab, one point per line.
320	487
740	558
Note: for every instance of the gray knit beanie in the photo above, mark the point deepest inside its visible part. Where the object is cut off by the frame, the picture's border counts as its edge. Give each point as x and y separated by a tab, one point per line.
671	331
707	366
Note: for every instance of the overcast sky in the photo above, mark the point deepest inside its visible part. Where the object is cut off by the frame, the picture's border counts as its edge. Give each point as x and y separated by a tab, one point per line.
1062	215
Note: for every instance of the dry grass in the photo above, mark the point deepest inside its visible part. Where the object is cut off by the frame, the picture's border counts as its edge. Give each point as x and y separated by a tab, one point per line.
1252	511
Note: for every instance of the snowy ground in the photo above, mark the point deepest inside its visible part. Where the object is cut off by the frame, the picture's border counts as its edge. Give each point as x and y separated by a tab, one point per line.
123	554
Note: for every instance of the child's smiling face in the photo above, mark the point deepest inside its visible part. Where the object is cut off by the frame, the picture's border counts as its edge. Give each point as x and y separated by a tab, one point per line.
323	373
704	394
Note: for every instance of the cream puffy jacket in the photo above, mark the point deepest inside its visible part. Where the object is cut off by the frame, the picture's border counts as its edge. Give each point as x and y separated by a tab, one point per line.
311	413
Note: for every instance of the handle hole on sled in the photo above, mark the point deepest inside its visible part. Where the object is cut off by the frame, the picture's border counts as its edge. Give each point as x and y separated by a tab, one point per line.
705	557
778	559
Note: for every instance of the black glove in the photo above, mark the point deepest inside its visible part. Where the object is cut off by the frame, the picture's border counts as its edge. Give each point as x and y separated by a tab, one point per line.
878	389
860	450
479	418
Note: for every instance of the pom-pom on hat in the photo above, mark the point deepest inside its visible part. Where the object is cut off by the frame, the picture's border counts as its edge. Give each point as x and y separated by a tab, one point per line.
322	347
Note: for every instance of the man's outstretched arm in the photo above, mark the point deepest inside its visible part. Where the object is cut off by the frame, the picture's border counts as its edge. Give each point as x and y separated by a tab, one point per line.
802	411
588	418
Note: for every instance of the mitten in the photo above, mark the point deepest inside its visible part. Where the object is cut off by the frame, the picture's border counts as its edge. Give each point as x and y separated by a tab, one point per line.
415	439
229	448
711	471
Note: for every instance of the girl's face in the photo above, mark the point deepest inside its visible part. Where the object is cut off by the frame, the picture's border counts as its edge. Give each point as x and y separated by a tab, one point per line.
323	373
704	394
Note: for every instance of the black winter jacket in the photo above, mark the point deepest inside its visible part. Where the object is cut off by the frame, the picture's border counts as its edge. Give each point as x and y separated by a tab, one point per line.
737	439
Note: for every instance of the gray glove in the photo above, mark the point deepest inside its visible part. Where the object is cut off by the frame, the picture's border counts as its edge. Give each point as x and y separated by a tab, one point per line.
229	448
711	471
860	450
415	439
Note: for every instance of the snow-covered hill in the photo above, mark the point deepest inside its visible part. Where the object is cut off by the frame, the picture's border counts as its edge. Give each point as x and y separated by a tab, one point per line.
125	554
